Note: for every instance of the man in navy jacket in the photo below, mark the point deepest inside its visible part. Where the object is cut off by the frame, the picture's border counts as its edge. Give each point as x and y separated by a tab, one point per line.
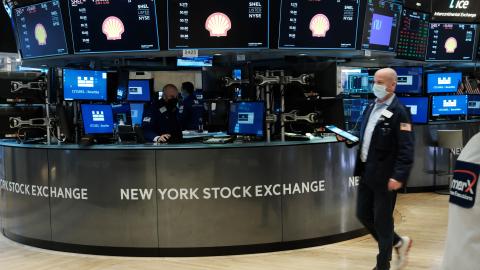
384	161
161	119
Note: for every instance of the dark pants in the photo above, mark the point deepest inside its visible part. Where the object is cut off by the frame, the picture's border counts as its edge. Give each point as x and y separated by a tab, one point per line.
375	212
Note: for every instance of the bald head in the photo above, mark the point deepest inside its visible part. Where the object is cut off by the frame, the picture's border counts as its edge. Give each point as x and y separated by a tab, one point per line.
388	78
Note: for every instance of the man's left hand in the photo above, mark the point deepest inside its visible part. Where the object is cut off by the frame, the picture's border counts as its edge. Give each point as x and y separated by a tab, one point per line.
394	184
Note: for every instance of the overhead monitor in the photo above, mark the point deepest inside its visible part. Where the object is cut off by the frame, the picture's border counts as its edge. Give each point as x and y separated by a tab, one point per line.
113	26
247	118
413	35
7	36
139	90
201	61
418	108
451	42
474	105
84	84
449	105
443	82
218	24
381	25
97	119
318	24
40	30
465	11
409	80
137	113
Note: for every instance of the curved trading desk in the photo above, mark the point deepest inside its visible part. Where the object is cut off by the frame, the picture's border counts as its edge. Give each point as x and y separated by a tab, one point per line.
178	200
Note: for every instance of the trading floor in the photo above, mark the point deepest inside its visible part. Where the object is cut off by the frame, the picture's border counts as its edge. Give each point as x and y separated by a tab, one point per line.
423	216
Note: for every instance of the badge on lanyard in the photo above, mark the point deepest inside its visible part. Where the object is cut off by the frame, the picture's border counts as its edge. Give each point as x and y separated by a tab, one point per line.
463	188
388	114
163	109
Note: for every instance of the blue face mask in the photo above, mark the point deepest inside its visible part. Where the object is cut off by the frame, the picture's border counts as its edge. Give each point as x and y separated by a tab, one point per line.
380	91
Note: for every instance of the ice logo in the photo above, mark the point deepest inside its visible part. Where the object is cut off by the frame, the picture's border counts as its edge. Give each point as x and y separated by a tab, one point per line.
218	24
98	116
451	45
113	28
377	25
319	25
85	82
41	34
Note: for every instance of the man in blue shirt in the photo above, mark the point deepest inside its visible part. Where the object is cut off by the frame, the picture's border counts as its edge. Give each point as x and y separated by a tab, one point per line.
384	162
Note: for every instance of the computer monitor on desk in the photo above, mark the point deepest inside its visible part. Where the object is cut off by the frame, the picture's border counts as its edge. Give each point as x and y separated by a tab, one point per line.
247	118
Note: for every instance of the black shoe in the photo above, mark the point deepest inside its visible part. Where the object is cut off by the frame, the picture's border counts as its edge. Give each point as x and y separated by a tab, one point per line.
388	268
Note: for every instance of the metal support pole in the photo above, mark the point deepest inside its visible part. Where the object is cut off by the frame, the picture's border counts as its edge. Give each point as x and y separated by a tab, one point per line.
50	84
282	109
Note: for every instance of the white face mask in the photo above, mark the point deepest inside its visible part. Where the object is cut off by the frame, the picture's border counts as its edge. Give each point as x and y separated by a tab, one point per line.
380	91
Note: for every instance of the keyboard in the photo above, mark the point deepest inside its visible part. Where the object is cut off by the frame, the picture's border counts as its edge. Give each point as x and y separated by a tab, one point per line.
218	140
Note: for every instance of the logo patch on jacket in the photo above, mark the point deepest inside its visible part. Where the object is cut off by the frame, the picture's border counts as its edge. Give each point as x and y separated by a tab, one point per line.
463	188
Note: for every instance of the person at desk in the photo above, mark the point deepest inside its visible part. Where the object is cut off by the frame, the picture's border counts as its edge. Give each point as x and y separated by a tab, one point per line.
384	162
161	119
192	108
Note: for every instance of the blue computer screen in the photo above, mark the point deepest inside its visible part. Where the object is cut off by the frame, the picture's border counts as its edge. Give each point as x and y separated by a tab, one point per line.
409	80
40	30
137	113
418	108
474	105
139	90
449	105
246	118
443	82
97	119
84	84
120	113
201	61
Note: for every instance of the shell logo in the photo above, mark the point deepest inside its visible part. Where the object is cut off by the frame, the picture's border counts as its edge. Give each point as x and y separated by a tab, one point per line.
41	34
451	45
113	28
319	25
218	24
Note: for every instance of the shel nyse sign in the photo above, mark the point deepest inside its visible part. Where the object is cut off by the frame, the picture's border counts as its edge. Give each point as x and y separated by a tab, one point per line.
455	11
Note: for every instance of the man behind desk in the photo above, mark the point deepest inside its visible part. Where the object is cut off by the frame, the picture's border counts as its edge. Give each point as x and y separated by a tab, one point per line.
384	161
161	122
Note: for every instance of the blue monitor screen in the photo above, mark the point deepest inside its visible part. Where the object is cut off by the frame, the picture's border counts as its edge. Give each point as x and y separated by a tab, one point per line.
418	108
137	113
202	61
449	105
443	82
97	119
246	118
474	105
409	80
40	30
139	90
84	84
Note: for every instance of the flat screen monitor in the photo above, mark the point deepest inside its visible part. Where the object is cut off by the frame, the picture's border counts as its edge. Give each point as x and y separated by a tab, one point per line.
218	24
418	108
451	42
202	61
139	90
7	35
121	114
97	119
409	80
137	113
474	105
247	118
40	30
381	25
84	84
113	26
443	82
449	105
319	24
413	35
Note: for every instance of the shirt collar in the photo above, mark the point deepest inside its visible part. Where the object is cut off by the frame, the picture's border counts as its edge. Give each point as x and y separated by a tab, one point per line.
387	102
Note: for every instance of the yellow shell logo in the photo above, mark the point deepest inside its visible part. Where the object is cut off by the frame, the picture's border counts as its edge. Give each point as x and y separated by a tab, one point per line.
41	34
218	24
451	45
319	25
113	28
